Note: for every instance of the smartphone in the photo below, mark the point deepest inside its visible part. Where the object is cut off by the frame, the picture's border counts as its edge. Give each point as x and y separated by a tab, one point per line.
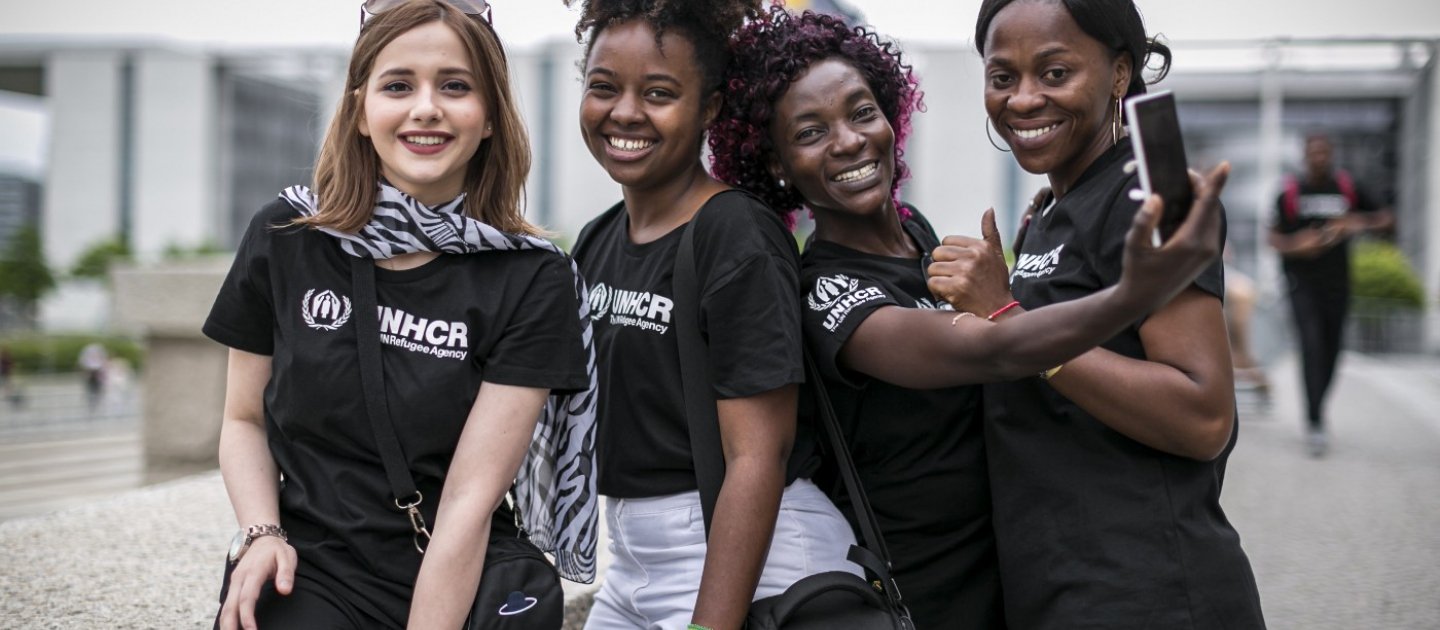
1160	157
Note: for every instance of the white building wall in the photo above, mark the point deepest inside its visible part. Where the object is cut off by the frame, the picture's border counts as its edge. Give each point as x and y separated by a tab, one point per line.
82	180
176	178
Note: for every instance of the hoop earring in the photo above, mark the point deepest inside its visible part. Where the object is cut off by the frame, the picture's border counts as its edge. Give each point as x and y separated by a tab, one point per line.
1115	124
991	137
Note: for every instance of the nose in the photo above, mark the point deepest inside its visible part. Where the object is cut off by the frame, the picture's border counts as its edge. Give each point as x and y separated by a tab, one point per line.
425	108
848	140
627	110
1029	97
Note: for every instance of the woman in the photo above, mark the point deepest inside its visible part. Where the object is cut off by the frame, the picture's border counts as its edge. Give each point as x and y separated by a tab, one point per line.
651	85
427	132
1106	478
816	115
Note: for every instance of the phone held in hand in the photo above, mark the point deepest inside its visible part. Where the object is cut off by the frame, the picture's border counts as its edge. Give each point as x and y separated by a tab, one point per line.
1160	156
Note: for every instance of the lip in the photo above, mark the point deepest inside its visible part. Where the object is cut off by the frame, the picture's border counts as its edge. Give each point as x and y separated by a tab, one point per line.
627	155
1017	141
426	149
862	183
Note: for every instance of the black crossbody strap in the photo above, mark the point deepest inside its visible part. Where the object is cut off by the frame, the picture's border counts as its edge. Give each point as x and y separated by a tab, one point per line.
372	379
700	412
829	424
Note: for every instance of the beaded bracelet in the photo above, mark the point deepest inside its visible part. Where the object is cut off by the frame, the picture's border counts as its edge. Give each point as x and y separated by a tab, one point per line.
1002	310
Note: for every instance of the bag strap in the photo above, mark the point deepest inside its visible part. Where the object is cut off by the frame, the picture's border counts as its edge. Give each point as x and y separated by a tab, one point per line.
700	412
372	380
704	423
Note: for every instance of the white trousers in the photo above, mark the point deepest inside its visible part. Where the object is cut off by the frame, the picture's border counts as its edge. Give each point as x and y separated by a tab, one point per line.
658	554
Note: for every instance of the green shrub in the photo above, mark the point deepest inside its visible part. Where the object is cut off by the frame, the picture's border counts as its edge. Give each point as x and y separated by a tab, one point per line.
1381	275
36	354
96	260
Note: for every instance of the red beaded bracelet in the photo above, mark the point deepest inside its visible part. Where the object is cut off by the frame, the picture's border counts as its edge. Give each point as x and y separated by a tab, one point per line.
1002	310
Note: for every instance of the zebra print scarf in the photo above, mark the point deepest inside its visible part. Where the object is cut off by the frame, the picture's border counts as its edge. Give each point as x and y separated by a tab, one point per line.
555	495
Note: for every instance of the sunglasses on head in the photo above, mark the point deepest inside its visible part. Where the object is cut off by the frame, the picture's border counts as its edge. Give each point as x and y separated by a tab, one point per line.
473	8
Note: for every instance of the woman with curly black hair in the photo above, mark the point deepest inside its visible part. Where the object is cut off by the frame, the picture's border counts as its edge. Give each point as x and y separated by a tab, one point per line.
816	115
652	77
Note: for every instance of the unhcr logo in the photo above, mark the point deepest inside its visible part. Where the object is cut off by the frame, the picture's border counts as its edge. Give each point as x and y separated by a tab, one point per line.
326	311
599	301
828	290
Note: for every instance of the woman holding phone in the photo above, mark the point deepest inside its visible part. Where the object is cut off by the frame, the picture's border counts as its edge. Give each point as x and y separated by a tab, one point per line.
1106	477
816	115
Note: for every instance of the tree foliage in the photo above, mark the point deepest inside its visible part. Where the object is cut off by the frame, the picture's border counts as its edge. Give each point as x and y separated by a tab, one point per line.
23	273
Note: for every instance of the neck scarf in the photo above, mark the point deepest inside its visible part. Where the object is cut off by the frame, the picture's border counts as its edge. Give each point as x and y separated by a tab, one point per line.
555	495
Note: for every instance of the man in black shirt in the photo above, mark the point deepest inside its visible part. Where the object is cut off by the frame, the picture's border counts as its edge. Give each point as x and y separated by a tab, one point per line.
1315	217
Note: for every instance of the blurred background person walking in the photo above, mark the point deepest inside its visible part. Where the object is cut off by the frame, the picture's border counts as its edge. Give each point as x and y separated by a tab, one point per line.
1315	216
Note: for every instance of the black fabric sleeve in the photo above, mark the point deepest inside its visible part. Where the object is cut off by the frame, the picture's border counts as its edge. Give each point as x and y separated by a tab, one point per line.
1364	201
749	304
1110	258
243	316
542	345
1280	221
835	304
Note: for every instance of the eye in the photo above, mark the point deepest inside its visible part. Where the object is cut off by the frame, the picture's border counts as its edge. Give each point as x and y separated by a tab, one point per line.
807	134
600	86
455	85
866	113
659	94
395	87
1056	74
1000	80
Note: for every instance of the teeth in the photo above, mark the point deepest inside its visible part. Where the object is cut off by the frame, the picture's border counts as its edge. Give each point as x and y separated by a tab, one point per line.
857	174
425	140
1032	133
625	144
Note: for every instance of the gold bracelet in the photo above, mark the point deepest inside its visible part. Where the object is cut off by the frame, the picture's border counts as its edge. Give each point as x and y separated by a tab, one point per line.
1050	373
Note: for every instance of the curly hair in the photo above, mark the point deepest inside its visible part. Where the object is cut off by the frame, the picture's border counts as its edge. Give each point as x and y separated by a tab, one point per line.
706	24
770	54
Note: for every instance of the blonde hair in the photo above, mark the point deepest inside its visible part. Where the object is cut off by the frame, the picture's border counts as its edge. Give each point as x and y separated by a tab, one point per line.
347	171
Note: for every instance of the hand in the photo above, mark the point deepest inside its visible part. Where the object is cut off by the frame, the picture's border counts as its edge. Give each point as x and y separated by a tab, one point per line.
970	273
267	558
1153	275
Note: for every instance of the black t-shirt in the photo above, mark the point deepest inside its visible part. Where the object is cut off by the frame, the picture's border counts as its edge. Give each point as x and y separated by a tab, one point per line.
920	453
1094	529
747	266
1315	205
503	317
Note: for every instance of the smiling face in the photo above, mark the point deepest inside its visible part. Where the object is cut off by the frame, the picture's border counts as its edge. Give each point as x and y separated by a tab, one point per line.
1050	89
423	112
645	109
833	142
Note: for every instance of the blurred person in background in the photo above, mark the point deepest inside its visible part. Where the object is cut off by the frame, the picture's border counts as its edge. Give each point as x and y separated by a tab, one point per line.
1315	216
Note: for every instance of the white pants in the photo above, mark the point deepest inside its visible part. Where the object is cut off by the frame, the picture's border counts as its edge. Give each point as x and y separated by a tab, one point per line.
658	550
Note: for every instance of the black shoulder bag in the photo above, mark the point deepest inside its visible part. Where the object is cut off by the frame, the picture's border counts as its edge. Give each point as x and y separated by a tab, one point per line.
520	589
833	599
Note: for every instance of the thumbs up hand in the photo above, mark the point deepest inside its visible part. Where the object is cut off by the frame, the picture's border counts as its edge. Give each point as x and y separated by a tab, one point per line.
970	273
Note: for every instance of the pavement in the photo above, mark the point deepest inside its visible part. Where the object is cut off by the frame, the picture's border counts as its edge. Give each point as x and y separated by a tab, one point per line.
1346	541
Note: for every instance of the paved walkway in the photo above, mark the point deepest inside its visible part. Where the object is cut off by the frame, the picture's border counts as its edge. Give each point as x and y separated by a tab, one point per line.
1348	541
1351	540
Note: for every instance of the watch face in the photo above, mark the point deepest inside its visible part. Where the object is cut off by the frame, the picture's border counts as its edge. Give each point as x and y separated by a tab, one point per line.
237	545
